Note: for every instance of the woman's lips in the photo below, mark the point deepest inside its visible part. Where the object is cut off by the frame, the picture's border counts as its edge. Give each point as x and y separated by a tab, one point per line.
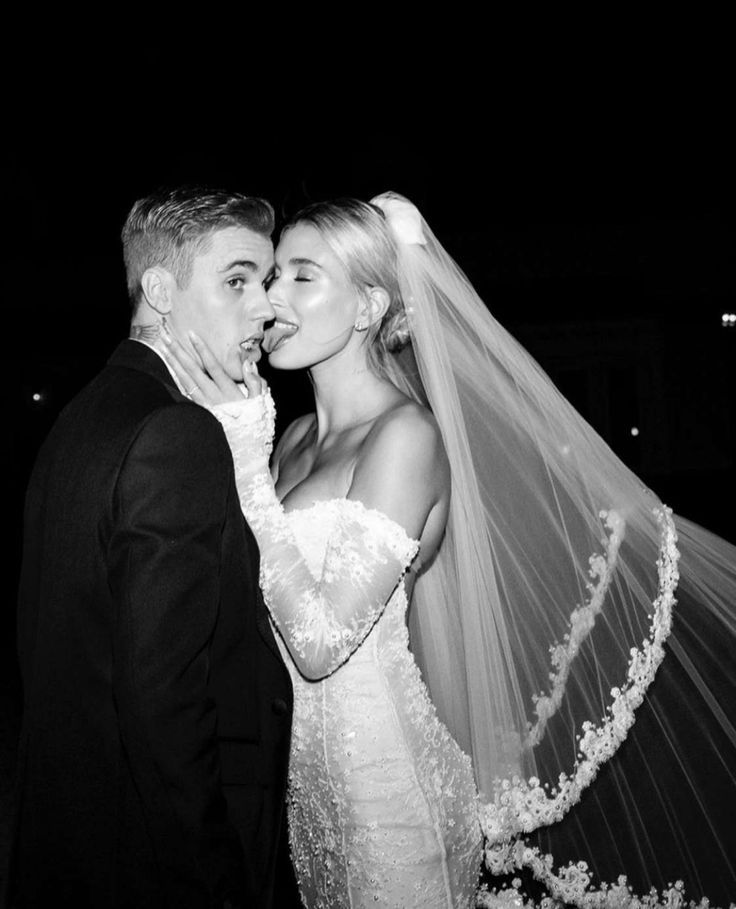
277	335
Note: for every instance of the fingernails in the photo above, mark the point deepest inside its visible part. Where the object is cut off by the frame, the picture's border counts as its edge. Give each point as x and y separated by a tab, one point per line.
194	338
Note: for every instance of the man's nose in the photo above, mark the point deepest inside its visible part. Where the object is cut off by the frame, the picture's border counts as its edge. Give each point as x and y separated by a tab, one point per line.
261	308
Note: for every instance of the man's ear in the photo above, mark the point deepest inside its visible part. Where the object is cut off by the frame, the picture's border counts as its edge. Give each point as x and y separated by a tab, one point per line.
156	284
373	306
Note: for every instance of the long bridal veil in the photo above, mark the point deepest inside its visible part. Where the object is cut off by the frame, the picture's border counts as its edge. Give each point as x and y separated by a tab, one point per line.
571	629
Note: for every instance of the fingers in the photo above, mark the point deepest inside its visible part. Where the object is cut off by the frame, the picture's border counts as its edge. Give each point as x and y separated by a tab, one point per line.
253	382
200	374
190	375
213	367
194	381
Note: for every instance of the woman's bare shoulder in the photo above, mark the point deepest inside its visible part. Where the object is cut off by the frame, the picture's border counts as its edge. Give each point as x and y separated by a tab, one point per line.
408	424
402	468
407	437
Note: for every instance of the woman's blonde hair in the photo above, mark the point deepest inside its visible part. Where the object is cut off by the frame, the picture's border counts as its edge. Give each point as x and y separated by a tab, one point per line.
358	235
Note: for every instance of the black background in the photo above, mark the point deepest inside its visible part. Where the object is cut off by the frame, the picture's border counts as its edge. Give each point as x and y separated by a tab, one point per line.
588	197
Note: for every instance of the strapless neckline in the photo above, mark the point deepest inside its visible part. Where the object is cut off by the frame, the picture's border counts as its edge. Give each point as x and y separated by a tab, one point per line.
357	506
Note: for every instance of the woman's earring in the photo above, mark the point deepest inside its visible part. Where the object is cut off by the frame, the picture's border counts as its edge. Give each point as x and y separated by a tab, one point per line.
359	326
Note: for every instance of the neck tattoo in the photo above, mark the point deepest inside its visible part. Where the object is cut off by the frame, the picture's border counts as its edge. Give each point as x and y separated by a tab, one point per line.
149	333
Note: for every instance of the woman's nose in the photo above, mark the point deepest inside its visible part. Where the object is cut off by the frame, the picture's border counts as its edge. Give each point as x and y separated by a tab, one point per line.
274	295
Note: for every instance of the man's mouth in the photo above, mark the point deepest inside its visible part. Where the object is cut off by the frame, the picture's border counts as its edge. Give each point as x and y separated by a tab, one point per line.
252	345
278	334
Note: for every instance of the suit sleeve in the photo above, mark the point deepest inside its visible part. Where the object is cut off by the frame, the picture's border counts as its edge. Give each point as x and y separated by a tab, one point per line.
164	572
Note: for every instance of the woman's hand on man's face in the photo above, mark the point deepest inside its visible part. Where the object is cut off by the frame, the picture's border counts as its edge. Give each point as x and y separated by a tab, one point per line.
206	382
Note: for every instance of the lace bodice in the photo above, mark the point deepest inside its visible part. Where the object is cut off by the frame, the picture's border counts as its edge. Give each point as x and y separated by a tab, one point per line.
323	608
326	605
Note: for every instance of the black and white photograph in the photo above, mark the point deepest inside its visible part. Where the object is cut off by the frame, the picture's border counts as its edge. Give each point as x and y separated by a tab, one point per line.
369	485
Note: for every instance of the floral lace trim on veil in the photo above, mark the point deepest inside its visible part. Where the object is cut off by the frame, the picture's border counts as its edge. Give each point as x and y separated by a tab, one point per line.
522	806
582	621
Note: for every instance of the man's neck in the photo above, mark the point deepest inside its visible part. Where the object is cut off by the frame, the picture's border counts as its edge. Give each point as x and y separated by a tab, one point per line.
146	333
150	339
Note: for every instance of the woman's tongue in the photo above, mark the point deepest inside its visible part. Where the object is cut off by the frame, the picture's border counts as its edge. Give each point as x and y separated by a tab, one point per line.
277	333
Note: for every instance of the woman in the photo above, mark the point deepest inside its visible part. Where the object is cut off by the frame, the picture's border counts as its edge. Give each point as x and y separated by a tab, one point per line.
546	542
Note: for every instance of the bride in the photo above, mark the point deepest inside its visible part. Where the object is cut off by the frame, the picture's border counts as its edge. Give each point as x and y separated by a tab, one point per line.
443	468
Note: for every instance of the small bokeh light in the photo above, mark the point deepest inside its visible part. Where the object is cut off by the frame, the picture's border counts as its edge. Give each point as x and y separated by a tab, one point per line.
634	430
728	320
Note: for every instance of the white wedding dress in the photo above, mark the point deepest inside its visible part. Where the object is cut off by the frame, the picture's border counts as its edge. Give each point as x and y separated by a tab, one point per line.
383	807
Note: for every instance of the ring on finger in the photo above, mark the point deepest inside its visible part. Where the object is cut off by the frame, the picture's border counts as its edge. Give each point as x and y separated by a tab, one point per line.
188	394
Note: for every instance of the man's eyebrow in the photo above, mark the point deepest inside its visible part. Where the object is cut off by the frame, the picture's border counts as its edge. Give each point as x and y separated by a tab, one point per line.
240	263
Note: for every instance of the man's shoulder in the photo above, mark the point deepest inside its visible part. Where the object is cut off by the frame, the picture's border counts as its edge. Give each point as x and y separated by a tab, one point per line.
120	403
115	395
177	420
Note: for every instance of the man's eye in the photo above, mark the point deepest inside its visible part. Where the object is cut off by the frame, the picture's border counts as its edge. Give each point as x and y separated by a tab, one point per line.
236	282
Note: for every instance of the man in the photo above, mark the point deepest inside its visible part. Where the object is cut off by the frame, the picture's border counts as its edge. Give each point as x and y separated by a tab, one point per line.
157	710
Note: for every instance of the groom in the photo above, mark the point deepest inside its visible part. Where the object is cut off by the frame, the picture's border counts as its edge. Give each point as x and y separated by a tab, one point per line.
157	710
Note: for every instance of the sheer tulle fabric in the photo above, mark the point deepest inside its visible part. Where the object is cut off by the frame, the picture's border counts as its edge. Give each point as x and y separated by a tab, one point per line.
557	562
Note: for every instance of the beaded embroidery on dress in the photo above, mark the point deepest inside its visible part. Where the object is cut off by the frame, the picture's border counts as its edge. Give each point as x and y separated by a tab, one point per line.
382	802
383	807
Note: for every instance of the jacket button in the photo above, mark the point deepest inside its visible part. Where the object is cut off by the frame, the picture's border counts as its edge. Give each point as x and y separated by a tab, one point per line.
279	707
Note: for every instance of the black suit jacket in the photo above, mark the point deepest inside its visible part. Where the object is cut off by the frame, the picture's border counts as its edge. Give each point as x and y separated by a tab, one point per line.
157	710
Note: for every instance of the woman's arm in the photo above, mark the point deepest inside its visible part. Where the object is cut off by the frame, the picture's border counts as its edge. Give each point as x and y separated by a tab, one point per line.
399	477
323	617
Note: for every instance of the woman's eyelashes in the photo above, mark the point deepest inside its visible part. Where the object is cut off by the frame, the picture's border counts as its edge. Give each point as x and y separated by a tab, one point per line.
300	276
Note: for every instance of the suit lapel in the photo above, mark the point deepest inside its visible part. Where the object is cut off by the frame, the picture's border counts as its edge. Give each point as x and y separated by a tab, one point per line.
135	355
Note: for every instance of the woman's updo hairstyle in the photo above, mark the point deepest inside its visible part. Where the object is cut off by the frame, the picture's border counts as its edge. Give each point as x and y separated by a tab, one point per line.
358	235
